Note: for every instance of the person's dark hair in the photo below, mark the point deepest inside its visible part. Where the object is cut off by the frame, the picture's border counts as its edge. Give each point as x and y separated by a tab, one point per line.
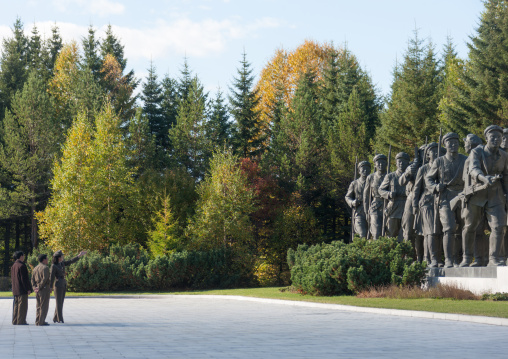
42	257
18	254
56	257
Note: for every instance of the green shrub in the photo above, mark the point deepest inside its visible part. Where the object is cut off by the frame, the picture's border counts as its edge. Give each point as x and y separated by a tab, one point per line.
337	268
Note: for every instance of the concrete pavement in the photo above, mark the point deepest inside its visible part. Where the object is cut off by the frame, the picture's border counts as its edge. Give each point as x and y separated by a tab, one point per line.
204	327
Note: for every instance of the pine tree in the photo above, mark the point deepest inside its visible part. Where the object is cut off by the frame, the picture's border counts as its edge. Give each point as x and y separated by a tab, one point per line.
411	112
249	132
54	46
35	50
185	81
111	45
13	66
169	105
480	90
218	127
31	139
188	135
91	57
152	99
452	117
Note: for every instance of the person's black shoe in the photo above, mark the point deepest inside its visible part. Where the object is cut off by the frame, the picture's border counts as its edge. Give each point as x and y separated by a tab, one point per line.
45	323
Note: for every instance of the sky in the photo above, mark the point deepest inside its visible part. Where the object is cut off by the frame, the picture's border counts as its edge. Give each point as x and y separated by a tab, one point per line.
213	34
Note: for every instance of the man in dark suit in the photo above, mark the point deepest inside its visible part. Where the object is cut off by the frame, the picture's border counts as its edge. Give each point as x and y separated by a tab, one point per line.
485	162
21	289
41	285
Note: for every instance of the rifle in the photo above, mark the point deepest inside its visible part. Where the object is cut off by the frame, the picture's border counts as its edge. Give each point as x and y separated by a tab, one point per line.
423	164
354	207
438	197
385	202
471	190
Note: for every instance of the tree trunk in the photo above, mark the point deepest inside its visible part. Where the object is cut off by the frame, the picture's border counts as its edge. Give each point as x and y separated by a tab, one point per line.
18	234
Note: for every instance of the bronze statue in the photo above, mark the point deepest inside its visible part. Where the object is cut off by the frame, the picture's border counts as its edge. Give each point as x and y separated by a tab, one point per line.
408	218
488	168
391	190
481	252
423	209
354	199
372	200
445	181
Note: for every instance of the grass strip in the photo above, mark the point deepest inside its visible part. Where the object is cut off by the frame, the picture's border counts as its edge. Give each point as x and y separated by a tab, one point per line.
468	307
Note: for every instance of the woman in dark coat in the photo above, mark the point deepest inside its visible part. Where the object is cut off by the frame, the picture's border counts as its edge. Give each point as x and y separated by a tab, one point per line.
59	283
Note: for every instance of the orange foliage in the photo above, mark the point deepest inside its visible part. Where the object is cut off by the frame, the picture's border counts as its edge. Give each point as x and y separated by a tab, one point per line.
284	70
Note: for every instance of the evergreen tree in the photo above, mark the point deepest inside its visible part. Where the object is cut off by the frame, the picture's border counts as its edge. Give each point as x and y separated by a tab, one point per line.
13	66
411	112
188	135
31	139
218	127
141	144
35	50
185	81
249	132
169	106
480	90
91	57
54	46
111	45
162	239
452	117
152	97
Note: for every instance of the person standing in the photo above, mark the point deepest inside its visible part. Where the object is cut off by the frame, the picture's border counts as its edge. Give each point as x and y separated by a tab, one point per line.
21	289
58	282
354	199
42	288
391	190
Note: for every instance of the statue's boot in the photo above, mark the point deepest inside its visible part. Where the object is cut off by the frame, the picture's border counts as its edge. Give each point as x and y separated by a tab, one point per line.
495	242
478	262
419	248
468	246
448	239
432	243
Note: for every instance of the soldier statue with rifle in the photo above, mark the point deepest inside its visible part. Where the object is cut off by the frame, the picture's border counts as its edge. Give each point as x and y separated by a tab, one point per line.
354	199
488	168
395	195
444	180
372	200
408	218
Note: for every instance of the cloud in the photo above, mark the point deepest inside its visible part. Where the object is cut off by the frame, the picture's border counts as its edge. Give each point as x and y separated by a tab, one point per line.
184	36
180	36
96	7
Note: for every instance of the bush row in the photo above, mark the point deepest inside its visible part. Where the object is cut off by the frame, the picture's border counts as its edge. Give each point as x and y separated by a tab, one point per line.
128	268
338	268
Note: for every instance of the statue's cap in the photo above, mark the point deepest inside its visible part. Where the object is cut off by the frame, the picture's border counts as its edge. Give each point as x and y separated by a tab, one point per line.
402	155
58	253
450	136
492	128
364	163
430	146
473	139
380	157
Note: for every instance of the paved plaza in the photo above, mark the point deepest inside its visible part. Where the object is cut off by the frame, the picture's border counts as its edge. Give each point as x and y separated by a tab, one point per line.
203	327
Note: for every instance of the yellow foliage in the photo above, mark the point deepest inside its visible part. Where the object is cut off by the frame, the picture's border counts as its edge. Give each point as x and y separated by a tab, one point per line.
284	70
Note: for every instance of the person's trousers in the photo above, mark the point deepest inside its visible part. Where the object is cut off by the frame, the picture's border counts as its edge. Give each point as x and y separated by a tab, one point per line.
42	298
19	309
59	299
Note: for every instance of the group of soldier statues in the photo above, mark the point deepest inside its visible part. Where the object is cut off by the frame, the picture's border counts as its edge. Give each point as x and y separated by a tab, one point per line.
442	201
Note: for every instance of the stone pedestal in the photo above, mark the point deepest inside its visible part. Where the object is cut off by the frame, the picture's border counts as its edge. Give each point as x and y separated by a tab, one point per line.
478	280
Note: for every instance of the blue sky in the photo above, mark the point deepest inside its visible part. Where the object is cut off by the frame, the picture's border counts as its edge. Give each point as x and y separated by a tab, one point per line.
214	33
